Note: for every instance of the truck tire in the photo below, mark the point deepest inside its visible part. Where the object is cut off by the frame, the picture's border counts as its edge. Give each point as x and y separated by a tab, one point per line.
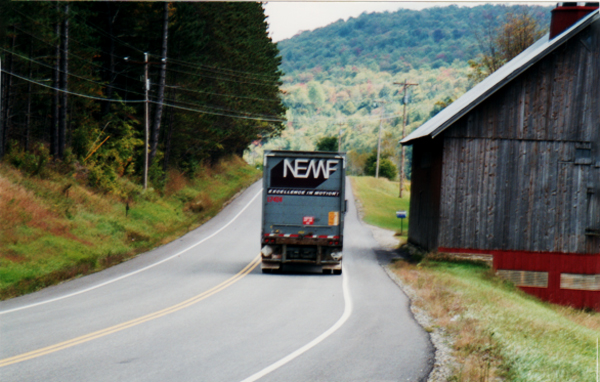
337	271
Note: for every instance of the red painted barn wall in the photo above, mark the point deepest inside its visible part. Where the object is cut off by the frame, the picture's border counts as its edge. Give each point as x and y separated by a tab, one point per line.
554	264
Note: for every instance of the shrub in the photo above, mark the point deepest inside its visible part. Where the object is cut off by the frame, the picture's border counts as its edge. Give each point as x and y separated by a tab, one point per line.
31	162
327	144
386	168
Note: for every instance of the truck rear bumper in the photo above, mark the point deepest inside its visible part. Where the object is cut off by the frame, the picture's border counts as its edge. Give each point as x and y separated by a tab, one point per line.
276	264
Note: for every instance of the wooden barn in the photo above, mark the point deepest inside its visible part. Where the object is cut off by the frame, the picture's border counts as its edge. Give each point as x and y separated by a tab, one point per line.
512	168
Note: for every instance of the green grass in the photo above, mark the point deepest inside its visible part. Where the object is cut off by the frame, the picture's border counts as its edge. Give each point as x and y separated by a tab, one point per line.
498	330
379	200
530	339
47	235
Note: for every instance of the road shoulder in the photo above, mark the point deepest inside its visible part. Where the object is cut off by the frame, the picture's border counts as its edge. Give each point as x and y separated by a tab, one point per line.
441	340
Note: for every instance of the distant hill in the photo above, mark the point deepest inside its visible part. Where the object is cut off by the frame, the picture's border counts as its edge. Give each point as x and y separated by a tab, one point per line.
397	41
339	79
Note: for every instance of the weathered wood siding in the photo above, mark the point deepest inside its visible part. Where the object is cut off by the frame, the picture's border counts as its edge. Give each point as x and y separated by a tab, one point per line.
423	226
521	171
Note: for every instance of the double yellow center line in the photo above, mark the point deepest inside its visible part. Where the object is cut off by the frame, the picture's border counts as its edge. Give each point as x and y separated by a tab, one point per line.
125	325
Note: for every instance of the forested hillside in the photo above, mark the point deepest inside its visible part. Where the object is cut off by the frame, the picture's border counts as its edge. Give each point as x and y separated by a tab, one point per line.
346	77
73	85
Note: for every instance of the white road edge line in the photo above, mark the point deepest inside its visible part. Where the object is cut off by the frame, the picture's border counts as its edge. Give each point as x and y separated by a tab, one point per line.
316	341
139	270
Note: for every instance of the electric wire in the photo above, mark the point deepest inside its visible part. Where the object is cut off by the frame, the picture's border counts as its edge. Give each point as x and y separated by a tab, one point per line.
69	92
224	71
129	77
220	94
77	56
249	117
217	108
219	78
176	61
70	73
126	44
128	91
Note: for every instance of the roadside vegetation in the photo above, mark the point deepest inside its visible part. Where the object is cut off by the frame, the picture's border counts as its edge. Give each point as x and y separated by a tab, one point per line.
379	202
55	226
497	332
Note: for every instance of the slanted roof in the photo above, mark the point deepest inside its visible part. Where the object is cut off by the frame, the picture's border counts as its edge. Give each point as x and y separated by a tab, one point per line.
497	80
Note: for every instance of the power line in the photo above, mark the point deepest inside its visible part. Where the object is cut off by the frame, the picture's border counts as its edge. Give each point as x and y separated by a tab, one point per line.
140	51
218	78
125	76
217	108
226	72
68	73
221	94
249	117
118	88
76	56
221	70
69	92
221	114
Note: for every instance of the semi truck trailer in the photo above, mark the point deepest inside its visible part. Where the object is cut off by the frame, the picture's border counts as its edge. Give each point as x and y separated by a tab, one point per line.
303	209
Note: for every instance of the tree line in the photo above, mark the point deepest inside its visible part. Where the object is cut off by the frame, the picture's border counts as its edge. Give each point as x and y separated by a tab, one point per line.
80	81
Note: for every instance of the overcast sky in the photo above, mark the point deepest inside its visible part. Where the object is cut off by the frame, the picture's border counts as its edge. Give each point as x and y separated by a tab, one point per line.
287	18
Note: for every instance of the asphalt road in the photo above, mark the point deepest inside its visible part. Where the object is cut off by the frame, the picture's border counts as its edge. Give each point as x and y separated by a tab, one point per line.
199	309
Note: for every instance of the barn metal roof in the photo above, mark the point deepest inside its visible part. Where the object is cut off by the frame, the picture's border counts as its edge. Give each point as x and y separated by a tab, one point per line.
497	80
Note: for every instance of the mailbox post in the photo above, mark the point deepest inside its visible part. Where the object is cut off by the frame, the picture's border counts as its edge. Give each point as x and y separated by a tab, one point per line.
401	215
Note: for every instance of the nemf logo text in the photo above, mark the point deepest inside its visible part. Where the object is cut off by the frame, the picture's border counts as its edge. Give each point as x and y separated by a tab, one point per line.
302	172
304	168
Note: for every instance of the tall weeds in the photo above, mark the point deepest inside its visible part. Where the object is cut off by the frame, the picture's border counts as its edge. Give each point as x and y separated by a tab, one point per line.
56	227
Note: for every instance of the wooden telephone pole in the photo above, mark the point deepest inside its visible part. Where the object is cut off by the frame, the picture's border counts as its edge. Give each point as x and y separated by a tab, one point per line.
340	124
146	107
405	86
146	63
379	135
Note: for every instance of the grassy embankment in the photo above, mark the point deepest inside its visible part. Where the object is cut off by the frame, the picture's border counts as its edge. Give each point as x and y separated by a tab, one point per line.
379	202
498	330
54	228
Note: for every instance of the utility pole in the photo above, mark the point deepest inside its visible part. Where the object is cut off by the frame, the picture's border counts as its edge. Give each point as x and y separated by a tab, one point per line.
405	86
1	119
379	141
340	124
146	63
146	107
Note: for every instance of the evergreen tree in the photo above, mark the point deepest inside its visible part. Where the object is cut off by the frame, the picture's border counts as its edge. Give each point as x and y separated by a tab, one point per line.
217	92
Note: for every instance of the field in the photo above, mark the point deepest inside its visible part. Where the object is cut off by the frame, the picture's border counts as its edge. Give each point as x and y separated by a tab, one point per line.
497	332
379	199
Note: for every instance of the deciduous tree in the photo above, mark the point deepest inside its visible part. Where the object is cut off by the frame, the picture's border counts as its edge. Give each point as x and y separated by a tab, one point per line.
502	43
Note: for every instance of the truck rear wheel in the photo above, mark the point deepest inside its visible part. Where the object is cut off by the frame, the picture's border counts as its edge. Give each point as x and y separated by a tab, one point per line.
337	271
